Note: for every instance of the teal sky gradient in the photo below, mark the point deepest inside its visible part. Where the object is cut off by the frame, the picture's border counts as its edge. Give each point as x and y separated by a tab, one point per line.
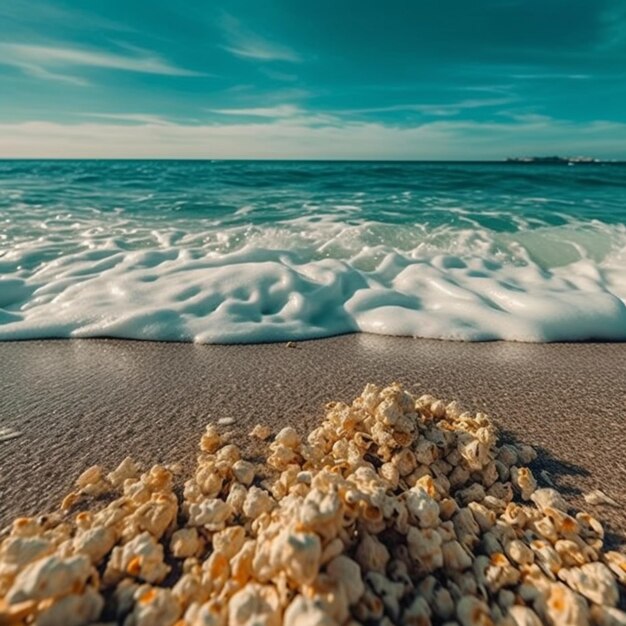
399	79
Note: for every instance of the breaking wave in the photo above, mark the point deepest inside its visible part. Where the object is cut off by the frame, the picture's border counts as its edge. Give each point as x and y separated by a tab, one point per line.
293	268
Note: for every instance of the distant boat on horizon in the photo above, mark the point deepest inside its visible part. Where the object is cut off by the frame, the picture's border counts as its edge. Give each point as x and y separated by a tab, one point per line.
569	160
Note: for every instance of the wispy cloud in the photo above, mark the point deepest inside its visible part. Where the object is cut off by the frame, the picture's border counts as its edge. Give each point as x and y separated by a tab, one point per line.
282	113
49	15
41	72
46	61
244	43
447	109
246	96
134	118
280	76
279	111
548	76
528	118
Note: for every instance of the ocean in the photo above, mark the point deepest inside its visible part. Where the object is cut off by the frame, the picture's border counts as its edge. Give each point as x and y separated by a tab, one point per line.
243	251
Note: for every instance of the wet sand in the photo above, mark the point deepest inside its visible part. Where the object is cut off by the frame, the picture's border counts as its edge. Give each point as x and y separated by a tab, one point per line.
82	402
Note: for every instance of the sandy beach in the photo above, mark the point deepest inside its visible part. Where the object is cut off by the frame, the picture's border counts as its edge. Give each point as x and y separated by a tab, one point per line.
82	402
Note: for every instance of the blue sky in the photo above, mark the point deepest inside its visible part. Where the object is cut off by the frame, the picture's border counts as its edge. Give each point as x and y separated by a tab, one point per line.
423	79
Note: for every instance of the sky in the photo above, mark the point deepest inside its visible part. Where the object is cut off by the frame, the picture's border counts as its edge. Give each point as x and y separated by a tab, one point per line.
330	79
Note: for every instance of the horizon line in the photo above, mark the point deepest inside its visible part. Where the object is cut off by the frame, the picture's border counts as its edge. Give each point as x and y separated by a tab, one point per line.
505	160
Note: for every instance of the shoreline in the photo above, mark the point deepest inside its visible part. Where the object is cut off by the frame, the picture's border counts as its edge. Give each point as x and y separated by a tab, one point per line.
94	401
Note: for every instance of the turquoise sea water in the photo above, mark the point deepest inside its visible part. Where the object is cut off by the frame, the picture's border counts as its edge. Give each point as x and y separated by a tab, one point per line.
259	251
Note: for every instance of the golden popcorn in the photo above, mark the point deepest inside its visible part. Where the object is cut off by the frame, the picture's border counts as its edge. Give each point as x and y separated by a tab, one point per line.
548	497
306	612
127	469
69	501
616	562
347	572
594	581
49	577
425	548
297	554
74	608
371	554
17	552
560	605
523	479
152	606
254	605
607	616
229	541
455	556
243	471
185	542
140	558
395	510
521	616
261	432
91	476
287	437
211	514
156	515
519	552
422	508
473	612
257	502
95	543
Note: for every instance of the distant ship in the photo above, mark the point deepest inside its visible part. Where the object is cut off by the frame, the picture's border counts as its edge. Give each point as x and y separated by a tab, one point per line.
570	160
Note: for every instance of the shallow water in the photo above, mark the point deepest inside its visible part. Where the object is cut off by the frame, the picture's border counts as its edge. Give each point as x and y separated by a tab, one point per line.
224	252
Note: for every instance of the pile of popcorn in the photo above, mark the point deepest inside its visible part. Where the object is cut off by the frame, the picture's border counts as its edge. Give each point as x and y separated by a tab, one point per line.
395	510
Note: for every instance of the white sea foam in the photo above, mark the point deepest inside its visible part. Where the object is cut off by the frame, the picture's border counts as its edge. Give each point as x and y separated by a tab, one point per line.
313	277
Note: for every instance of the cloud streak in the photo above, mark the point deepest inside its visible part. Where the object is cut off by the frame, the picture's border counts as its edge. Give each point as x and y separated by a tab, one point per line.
244	43
36	71
278	111
46	61
443	110
551	76
134	118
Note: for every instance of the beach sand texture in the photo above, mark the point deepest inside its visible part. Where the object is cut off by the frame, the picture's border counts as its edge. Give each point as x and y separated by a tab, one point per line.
84	402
